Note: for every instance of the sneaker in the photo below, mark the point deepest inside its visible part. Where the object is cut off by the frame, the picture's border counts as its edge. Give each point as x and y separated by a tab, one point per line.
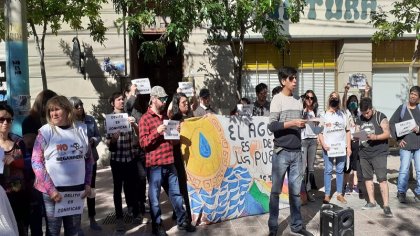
311	198
387	211
417	198
369	206
303	232
326	199
138	220
355	189
94	225
402	198
158	230
348	190
130	211
187	227
120	225
341	199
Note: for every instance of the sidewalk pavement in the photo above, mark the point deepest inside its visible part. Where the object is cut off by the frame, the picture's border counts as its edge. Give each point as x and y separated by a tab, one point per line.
367	222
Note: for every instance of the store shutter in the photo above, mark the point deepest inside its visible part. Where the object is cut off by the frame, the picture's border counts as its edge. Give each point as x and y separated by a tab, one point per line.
321	82
390	89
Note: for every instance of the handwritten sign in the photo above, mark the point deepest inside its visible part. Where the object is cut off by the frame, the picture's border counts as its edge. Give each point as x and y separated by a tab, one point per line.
361	135
405	127
70	204
245	109
357	80
1	160
171	132
117	123
187	88
337	149
143	85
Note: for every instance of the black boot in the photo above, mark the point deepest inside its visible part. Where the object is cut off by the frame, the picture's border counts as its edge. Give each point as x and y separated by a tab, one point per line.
312	181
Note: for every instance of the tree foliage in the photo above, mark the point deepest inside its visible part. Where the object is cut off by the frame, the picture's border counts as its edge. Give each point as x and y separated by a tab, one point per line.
180	18
403	18
44	16
230	20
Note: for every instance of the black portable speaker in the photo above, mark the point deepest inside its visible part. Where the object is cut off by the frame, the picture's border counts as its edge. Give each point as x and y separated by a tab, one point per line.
336	221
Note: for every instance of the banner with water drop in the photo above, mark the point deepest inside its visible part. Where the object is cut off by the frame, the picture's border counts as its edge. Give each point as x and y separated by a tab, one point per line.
228	165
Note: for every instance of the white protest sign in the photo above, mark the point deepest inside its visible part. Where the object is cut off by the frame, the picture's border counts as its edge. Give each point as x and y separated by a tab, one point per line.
187	88
171	132
361	135
70	204
1	160
143	85
337	149
117	123
357	80
405	127
245	109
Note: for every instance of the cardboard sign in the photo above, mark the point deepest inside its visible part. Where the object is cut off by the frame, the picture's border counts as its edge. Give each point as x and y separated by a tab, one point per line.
143	85
117	123
171	132
245	109
361	135
337	149
70	204
187	88
357	80
405	127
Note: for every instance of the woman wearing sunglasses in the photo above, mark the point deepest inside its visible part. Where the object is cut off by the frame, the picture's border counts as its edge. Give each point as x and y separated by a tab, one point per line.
309	141
14	179
62	161
94	139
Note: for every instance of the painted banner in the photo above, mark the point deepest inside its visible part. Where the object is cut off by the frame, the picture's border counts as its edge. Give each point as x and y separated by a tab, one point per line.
228	165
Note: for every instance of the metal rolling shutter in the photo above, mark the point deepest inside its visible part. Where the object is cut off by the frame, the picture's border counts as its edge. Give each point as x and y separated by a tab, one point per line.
390	89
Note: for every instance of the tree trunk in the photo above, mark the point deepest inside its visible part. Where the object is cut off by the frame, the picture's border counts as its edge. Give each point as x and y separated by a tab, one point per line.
415	57
40	45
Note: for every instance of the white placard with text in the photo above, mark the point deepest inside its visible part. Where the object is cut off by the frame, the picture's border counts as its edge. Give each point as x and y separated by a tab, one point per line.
70	204
405	127
117	123
187	88
171	132
143	85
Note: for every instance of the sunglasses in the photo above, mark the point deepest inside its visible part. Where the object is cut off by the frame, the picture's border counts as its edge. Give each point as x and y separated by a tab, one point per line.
78	106
163	99
311	98
2	119
292	77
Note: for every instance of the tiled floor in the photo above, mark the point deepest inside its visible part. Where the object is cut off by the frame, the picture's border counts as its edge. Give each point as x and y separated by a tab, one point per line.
406	220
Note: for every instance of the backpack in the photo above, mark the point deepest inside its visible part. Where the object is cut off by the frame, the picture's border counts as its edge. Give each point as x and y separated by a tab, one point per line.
404	108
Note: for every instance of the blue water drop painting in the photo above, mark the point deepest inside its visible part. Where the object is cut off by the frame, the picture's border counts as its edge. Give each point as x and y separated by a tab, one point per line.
205	150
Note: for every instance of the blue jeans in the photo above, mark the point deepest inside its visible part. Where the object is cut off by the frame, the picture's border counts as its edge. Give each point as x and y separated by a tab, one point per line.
54	223
290	162
164	175
405	158
340	162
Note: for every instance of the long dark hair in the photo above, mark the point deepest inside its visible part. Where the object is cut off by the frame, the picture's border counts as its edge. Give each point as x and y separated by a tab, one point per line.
348	104
177	114
314	102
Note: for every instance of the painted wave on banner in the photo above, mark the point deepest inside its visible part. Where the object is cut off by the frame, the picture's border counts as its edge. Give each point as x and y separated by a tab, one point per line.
228	165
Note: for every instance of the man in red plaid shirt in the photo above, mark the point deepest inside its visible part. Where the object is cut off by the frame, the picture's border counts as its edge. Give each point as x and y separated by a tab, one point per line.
160	162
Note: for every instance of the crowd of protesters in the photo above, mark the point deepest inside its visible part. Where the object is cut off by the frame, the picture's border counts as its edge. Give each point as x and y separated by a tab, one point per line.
36	174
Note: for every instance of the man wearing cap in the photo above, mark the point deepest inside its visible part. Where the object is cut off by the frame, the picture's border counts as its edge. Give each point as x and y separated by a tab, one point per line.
204	106
160	163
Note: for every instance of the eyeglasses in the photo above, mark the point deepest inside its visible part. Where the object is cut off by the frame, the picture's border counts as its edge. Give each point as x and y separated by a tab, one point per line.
79	106
311	98
163	99
292	77
2	119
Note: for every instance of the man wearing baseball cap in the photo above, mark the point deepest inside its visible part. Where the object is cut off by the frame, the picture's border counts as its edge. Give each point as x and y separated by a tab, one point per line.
204	106
160	163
